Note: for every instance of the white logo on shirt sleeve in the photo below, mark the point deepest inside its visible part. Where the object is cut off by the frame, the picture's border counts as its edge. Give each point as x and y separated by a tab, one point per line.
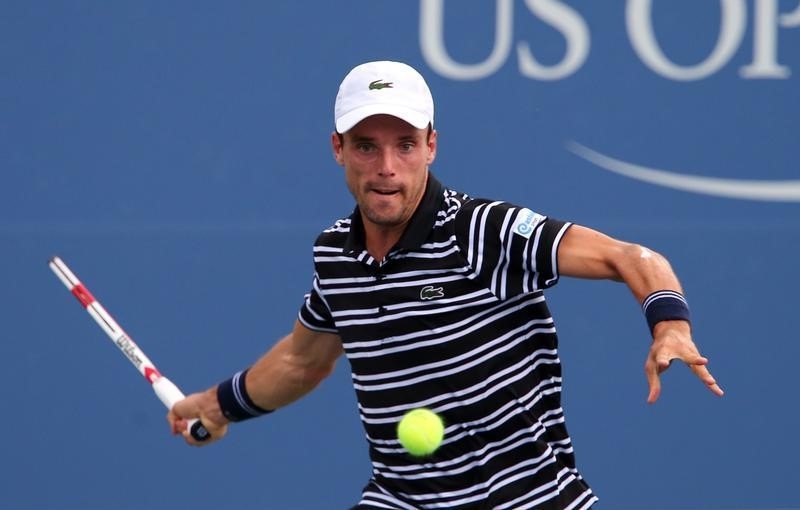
526	223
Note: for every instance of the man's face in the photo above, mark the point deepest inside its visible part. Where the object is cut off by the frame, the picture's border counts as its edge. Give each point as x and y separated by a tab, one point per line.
386	167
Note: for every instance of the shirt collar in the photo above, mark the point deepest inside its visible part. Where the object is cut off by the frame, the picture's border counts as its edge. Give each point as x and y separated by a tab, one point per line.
418	228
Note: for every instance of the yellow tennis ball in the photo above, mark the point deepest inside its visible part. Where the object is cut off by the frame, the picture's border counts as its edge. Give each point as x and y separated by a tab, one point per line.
420	432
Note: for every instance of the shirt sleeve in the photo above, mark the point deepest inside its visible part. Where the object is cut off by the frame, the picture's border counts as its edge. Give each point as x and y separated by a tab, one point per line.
315	314
512	249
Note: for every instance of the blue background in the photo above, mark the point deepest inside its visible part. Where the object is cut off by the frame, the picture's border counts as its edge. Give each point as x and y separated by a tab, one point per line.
176	155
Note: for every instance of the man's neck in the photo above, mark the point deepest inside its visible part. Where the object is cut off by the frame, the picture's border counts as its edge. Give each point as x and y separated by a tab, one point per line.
380	240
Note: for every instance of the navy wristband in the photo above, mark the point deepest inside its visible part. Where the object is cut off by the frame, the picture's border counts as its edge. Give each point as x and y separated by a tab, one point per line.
665	305
234	401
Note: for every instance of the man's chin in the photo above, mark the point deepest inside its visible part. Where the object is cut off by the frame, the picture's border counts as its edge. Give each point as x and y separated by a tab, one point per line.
385	220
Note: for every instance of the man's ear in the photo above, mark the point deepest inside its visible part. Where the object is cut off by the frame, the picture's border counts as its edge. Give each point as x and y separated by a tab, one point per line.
337	147
432	145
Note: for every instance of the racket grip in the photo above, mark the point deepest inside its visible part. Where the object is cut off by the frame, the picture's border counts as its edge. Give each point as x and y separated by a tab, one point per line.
169	394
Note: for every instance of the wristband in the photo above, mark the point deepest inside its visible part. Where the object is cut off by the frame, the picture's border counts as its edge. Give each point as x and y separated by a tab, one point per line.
665	305
234	401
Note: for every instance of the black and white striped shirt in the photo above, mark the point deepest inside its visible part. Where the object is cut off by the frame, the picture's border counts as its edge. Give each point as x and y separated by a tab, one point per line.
454	320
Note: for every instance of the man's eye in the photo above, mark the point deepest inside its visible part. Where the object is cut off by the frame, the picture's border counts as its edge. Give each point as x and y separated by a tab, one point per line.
407	147
364	147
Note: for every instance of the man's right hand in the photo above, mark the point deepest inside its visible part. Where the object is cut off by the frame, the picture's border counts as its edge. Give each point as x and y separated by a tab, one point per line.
203	406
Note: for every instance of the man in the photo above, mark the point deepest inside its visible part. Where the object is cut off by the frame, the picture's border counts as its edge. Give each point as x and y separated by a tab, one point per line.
436	299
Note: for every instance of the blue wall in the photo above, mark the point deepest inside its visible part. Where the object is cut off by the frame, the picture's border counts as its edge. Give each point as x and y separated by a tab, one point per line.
176	155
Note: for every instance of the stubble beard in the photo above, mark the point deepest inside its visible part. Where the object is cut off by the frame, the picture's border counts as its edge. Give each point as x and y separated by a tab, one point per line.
387	219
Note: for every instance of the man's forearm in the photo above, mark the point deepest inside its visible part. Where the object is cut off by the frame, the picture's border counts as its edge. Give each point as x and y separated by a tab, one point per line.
281	376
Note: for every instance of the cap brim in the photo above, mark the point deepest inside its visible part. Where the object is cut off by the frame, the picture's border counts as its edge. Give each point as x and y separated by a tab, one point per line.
348	120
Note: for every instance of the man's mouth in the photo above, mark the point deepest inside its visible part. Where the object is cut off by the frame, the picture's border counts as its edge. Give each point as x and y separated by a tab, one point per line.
385	191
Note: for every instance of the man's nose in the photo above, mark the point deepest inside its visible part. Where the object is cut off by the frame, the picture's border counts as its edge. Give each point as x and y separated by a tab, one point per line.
388	163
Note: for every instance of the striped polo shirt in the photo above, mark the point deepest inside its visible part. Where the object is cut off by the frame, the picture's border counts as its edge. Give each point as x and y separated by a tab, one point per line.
454	319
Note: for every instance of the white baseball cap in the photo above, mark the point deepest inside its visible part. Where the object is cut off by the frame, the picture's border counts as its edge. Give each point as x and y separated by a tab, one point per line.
384	87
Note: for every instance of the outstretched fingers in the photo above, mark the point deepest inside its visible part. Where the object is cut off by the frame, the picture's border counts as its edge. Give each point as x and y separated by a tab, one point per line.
655	365
653	380
702	372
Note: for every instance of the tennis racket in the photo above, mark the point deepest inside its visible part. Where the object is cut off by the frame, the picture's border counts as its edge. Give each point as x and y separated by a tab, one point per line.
165	389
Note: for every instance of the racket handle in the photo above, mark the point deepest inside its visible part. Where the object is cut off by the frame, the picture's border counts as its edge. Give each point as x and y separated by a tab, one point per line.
198	431
169	394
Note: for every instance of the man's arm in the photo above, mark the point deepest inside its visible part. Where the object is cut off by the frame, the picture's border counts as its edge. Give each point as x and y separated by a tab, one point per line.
293	367
586	253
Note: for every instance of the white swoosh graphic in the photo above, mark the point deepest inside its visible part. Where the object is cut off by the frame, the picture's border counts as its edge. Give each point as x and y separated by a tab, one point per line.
768	191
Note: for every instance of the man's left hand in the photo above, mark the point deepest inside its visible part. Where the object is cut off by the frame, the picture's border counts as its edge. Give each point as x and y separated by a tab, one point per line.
673	340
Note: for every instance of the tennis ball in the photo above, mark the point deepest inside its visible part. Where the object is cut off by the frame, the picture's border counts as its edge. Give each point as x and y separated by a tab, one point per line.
420	432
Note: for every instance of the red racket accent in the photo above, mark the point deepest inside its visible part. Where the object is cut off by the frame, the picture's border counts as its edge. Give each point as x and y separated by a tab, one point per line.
151	374
83	295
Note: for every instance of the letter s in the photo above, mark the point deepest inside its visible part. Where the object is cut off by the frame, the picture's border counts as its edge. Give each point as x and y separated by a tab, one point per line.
571	25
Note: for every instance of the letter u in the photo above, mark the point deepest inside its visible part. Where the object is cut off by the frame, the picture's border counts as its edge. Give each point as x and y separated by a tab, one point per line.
431	35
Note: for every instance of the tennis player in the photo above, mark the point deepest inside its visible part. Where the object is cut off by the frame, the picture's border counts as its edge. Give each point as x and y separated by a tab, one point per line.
437	300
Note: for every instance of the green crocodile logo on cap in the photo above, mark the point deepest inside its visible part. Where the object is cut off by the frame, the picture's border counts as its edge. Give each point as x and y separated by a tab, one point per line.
380	84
